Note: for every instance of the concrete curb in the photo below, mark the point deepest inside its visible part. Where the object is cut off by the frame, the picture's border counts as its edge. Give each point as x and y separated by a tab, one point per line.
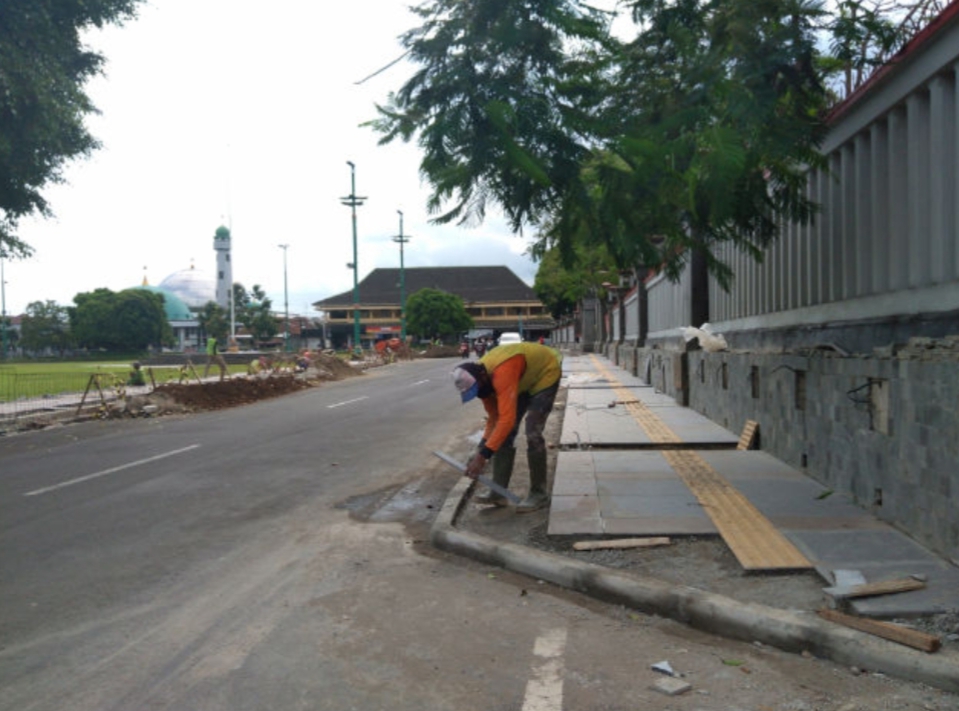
788	630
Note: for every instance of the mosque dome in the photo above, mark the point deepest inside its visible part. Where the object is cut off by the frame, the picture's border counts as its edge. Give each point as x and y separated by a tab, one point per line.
173	305
191	285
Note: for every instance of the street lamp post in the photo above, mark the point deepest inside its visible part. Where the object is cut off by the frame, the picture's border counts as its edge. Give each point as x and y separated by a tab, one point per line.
402	240
286	303
3	309
352	201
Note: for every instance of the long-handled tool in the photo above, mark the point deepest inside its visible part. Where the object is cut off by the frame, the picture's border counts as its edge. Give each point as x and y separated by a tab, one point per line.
461	468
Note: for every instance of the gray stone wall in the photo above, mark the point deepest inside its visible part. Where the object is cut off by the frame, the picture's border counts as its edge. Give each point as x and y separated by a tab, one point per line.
882	427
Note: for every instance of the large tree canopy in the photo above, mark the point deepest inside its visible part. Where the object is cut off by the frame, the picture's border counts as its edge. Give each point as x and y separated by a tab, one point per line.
45	325
43	67
253	310
129	320
432	313
695	131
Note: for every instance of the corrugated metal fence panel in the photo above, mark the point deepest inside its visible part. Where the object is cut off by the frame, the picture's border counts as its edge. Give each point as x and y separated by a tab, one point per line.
889	219
669	303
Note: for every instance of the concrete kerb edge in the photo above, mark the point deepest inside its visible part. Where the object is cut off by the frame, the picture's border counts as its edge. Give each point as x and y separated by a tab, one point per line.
792	631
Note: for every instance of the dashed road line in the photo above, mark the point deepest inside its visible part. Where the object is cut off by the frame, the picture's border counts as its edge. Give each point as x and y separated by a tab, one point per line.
112	470
544	691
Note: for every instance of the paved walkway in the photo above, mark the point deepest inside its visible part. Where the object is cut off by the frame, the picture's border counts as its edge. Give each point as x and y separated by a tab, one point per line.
633	462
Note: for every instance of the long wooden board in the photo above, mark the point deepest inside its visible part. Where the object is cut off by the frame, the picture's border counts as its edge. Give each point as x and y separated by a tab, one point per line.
883	587
752	538
648	542
886	630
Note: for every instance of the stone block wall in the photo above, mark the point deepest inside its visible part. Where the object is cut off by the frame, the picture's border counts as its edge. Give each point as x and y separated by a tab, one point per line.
883	428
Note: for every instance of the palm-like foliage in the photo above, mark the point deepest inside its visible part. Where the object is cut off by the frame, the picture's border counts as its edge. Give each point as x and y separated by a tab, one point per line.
695	132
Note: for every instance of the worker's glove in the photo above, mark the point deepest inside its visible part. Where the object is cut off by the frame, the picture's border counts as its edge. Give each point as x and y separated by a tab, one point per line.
475	466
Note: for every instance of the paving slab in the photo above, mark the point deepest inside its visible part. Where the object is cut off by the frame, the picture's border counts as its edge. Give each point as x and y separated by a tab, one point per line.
638	493
624	493
604	426
615	398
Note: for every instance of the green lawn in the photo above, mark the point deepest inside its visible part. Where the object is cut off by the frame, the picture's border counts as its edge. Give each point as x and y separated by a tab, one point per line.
27	380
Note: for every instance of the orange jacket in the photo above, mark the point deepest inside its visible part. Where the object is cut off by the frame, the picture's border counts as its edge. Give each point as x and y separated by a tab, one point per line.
515	369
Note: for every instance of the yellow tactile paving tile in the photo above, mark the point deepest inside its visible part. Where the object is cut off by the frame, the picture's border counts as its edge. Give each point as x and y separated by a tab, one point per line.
752	538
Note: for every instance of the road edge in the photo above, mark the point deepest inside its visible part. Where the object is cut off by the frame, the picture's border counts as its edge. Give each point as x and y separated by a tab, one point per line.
791	631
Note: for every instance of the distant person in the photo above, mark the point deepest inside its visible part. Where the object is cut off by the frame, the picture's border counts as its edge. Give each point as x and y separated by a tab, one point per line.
136	375
213	356
513	381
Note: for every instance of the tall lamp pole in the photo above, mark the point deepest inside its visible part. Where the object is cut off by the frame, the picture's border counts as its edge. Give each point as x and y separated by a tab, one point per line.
3	309
402	240
352	201
286	303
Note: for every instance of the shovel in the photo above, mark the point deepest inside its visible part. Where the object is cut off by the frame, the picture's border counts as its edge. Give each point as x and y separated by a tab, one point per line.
485	480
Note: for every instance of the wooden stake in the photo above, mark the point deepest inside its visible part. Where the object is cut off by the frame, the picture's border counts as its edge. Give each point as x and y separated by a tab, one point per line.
621	543
748	437
887	630
885	587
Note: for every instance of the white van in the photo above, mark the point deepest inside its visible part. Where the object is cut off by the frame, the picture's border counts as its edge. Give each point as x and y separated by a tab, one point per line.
510	337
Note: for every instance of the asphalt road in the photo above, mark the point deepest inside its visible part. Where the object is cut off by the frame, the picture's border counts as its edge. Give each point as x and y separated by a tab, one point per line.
274	557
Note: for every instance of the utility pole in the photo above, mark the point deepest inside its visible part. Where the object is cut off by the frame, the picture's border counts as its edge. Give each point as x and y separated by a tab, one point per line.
402	240
3	309
352	201
286	303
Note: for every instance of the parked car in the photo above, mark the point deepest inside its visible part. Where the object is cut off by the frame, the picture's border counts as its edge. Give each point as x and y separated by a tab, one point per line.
510	337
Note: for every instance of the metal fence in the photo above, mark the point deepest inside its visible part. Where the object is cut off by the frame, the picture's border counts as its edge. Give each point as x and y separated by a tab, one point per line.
44	397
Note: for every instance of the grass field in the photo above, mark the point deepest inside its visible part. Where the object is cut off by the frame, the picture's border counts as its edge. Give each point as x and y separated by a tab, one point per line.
29	380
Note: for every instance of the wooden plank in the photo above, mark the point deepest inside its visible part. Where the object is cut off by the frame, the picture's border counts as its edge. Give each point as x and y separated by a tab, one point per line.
648	542
885	587
887	630
748	437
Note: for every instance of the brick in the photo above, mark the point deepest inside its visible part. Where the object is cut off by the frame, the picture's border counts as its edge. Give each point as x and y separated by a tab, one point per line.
670	686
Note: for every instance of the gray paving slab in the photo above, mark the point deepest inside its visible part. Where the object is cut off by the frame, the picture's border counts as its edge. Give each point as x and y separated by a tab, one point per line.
630	493
606	426
637	493
616	399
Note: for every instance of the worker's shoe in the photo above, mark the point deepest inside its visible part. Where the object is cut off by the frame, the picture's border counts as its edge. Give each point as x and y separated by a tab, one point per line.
537	497
502	473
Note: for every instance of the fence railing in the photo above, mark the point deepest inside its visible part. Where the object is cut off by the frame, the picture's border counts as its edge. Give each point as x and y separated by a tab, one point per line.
38	396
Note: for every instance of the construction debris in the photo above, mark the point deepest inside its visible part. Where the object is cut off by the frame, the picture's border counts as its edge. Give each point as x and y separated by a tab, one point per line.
648	542
885	587
671	687
887	630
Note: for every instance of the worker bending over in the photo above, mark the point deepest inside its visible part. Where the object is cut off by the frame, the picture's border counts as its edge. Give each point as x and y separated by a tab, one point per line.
513	381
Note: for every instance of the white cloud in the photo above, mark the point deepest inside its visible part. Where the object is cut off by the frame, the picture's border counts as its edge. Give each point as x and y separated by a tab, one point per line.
230	111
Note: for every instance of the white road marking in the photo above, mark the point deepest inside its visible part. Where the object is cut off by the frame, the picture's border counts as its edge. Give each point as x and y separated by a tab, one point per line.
112	470
544	691
419	382
347	402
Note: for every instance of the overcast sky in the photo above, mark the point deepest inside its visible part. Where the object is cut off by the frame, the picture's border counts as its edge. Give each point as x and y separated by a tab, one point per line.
244	113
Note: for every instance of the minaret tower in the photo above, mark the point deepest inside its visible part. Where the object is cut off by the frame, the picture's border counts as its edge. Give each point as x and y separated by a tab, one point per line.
224	268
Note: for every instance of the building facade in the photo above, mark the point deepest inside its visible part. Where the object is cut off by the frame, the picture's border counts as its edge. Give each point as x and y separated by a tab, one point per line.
494	297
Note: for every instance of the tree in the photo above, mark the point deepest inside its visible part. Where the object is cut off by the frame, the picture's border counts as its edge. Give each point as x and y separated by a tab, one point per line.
253	310
43	67
561	288
45	325
130	320
697	131
431	313
214	320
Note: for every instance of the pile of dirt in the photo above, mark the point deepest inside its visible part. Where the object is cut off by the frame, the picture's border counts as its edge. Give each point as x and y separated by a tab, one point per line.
230	393
332	367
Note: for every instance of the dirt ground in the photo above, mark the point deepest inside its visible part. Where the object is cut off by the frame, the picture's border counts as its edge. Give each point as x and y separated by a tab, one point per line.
191	396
